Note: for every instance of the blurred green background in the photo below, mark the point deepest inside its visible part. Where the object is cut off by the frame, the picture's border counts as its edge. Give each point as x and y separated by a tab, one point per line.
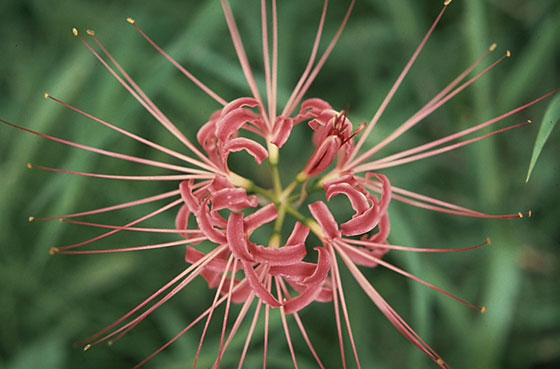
51	302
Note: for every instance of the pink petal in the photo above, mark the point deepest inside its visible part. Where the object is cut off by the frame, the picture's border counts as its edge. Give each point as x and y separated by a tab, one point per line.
254	149
322	270
206	225
323	156
258	288
386	185
234	199
362	223
231	123
240	103
190	200
264	215
325	219
182	219
286	255
284	129
236	238
295	273
297	303
299	234
384	229
217	264
357	199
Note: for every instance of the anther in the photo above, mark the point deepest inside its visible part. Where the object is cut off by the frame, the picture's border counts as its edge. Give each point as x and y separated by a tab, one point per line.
529	121
110	343
520	214
530	213
440	360
447	2
75	31
483	310
29	165
31	219
90	32
54	250
488	240
508	54
87	347
46	95
130	20
493	46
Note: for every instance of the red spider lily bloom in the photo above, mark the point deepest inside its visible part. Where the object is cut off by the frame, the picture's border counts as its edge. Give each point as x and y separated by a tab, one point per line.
217	206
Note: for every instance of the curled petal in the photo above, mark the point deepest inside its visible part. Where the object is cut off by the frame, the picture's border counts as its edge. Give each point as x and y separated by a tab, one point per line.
187	195
325	219
299	234
182	219
254	149
360	259
323	156
322	270
234	199
217	264
294	273
264	215
241	293
297	303
240	103
236	238
358	200
313	283
384	229
311	108
207	133
258	288
387	192
206	225
362	223
286	255
284	128
232	122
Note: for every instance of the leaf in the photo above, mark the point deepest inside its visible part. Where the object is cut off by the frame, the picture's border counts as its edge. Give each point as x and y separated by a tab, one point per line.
551	117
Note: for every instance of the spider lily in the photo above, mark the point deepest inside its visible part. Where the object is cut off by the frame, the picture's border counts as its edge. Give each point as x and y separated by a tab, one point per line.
217	206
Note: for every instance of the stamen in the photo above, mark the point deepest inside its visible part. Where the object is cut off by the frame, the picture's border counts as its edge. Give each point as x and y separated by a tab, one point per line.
148	104
395	86
114	207
375	165
320	63
341	244
182	69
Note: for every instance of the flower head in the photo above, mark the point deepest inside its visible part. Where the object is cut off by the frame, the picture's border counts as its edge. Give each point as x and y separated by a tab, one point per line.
219	211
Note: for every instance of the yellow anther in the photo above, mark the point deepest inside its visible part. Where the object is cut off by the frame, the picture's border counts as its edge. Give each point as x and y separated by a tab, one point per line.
54	250
520	214
90	32
447	2
529	121
440	360
110	343
31	219
508	53
130	20
29	165
75	31
46	95
488	240
483	310
530	213
87	347
493	46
